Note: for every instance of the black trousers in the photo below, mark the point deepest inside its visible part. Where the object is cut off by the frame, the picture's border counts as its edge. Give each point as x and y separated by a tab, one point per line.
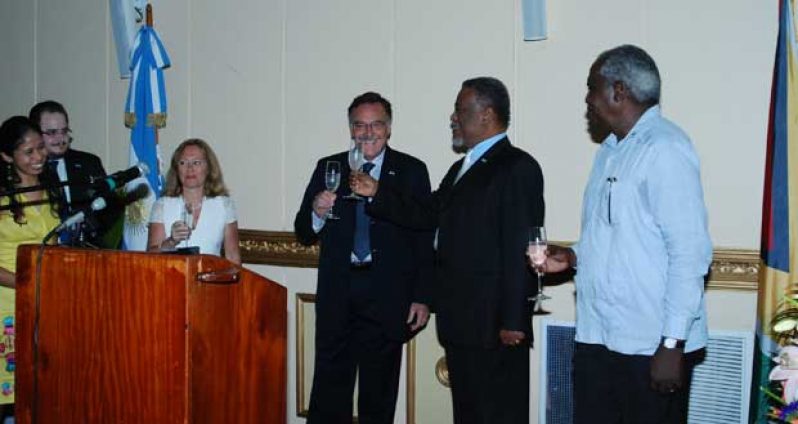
612	388
360	351
489	386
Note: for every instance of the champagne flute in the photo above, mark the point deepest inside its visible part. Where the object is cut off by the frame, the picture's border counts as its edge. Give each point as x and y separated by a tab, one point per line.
188	219
536	250
356	160
332	179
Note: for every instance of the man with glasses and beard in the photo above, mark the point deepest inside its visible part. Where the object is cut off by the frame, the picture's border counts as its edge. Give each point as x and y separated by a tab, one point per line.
74	166
371	295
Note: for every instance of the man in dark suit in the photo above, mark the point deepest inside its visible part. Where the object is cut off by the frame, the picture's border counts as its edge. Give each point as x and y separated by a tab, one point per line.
73	166
371	294
483	211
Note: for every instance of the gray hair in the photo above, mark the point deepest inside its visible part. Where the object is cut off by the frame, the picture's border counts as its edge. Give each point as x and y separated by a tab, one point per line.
633	67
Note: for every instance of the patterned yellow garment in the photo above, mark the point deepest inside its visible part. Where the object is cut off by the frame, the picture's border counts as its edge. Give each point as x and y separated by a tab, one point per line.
40	220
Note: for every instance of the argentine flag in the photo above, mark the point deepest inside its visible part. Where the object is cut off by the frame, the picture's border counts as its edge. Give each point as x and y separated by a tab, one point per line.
145	112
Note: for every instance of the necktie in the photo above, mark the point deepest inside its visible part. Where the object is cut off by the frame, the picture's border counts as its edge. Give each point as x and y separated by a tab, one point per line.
464	167
59	166
362	247
65	236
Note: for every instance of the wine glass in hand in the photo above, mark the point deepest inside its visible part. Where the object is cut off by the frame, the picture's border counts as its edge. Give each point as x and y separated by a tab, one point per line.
332	179
536	251
356	160
187	221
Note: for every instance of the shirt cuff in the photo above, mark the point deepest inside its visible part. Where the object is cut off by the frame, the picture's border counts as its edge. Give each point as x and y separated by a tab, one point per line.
318	223
677	327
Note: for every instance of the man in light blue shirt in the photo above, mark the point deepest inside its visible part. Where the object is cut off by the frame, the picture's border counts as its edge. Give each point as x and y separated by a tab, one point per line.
642	255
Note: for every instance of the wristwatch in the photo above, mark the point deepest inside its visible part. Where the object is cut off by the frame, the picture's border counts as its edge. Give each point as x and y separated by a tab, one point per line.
672	343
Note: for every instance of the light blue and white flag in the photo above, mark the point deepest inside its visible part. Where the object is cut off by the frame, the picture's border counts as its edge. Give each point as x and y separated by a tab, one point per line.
145	112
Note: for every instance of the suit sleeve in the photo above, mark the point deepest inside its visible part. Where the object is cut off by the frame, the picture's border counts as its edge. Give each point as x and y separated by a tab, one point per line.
97	167
303	222
407	208
423	241
522	207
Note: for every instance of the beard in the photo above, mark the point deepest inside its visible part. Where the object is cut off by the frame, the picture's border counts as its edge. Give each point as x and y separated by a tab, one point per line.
58	150
597	129
458	145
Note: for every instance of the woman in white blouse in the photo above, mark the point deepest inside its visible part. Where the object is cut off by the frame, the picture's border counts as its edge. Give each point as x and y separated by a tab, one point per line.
195	206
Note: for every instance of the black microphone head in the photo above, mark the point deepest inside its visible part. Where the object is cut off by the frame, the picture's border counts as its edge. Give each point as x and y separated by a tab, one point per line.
121	178
140	191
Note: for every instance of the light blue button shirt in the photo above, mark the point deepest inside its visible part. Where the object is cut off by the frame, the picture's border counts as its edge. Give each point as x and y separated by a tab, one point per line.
645	246
318	223
476	152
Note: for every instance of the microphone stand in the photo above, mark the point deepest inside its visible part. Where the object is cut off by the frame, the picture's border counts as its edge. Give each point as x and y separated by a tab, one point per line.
59	184
49	235
91	182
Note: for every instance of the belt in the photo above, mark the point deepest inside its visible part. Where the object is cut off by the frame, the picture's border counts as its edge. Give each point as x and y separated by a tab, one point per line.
360	266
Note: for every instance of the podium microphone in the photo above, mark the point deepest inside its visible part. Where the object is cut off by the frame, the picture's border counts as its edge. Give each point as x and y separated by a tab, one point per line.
96	205
118	179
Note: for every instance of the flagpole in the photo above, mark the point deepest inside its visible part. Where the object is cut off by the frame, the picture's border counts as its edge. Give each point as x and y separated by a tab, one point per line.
148	21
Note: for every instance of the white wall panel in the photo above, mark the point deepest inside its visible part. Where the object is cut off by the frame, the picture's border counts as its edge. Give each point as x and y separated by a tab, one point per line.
471	38
234	64
18	50
72	66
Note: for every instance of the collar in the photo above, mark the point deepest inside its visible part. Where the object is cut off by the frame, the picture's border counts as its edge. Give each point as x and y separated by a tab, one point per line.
377	161
483	146
642	123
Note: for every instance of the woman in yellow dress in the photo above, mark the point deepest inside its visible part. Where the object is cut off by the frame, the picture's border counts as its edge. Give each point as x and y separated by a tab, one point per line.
24	218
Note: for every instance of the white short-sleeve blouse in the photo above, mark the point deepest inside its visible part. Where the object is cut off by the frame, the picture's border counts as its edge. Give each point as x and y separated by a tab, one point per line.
216	213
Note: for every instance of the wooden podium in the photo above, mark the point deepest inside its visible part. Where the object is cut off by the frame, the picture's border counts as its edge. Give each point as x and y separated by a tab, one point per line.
129	337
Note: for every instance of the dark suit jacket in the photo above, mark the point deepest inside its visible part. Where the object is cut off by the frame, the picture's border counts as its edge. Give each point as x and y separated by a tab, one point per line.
401	257
81	167
482	278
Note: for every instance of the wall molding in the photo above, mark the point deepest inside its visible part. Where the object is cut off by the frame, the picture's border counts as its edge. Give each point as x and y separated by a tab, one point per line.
278	248
734	269
731	269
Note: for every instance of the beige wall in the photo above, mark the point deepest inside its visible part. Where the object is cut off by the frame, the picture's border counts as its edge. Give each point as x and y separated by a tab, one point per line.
268	81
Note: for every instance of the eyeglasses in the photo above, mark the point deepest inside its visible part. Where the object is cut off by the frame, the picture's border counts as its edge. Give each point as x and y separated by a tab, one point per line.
55	131
195	163
373	126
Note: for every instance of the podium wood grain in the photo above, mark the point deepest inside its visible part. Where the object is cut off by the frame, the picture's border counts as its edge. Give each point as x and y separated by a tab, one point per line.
128	337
